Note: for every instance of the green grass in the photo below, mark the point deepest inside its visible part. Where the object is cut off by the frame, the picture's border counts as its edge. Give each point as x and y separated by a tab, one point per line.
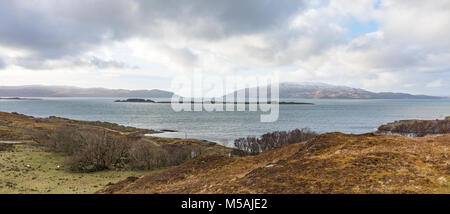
30	169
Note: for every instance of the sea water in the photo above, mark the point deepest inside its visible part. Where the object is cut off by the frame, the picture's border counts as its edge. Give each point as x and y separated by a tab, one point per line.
326	115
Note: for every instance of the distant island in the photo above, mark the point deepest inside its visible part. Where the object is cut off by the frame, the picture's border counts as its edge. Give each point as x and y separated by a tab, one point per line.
247	103
134	100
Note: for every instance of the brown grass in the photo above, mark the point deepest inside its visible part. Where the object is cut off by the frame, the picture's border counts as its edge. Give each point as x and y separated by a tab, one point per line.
331	163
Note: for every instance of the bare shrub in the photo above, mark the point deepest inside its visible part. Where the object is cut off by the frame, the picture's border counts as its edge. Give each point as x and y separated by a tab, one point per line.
176	154
65	140
144	156
300	135
253	145
99	151
248	145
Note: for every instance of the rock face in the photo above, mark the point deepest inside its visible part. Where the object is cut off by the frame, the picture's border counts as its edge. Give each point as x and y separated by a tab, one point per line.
330	163
135	101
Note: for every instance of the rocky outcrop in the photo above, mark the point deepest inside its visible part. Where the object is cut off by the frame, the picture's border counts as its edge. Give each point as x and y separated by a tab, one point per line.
418	128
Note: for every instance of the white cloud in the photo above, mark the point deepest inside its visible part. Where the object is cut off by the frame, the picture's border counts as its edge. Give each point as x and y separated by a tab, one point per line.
434	84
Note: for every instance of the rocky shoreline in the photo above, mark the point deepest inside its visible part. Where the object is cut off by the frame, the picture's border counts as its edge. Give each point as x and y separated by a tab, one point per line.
416	128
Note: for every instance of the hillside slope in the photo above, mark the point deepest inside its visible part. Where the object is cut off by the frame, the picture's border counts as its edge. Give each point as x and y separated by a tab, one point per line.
331	163
326	91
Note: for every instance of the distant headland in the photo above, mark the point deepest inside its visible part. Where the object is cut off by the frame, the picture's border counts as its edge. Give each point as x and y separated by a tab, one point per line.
17	98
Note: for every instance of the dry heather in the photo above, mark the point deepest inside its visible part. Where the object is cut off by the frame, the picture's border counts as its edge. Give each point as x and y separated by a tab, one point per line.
331	163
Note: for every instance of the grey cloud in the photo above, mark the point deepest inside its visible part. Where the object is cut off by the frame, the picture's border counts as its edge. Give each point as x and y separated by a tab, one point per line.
53	29
222	18
288	46
103	64
37	63
34	63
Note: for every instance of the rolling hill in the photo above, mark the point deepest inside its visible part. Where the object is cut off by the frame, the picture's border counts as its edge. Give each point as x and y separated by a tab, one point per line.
326	91
68	91
330	163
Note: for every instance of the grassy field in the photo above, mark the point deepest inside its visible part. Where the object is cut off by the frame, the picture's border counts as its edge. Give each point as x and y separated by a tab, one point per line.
29	169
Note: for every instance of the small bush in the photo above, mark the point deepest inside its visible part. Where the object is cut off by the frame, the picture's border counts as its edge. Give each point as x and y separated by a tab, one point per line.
254	146
64	140
99	151
144	156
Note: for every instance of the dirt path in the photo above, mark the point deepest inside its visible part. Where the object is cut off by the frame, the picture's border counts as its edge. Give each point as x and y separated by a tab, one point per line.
12	142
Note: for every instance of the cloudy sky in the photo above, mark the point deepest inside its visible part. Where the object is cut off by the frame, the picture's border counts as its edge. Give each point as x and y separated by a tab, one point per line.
387	45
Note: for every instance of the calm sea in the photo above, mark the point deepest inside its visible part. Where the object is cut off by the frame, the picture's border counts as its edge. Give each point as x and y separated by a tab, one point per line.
348	116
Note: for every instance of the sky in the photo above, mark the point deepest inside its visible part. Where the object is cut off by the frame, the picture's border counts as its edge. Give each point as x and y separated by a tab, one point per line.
378	45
